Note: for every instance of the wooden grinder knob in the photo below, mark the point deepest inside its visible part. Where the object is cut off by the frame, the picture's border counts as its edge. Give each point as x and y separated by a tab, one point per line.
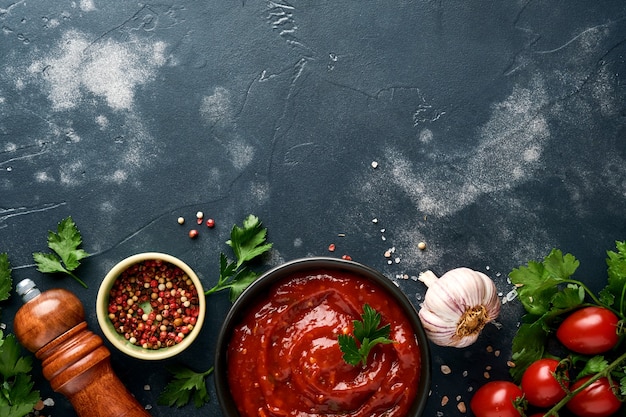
74	359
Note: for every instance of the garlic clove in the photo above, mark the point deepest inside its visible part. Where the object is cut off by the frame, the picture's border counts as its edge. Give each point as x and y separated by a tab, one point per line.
457	306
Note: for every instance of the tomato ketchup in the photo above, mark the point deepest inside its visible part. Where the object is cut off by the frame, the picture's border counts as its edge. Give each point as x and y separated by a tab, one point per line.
284	357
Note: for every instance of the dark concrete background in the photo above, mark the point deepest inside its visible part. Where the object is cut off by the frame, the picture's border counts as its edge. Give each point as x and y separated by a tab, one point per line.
499	129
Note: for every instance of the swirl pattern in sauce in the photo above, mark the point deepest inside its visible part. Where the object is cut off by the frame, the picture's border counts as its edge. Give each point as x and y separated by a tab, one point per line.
284	358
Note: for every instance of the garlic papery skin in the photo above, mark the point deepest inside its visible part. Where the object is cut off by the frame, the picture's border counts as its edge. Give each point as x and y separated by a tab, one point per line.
457	306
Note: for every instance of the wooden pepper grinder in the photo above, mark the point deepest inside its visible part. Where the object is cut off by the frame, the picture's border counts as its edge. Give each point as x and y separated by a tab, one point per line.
75	361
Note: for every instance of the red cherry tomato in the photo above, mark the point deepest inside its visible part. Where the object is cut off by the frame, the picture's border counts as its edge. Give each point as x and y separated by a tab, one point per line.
540	386
590	330
496	399
597	400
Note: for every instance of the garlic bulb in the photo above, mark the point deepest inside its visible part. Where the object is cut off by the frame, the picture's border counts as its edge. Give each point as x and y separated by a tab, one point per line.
457	306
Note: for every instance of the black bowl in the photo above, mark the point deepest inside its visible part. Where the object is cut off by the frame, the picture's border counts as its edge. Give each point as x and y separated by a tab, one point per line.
259	290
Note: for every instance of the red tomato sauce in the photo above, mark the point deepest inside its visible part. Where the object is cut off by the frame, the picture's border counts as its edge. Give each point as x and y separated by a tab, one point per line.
284	358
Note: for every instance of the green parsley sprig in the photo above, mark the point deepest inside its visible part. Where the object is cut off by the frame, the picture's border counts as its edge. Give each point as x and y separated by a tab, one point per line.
6	283
366	335
17	396
247	242
548	292
185	386
67	254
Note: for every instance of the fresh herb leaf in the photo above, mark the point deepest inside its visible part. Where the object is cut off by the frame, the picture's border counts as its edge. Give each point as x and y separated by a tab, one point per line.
185	386
49	263
240	282
367	334
66	242
538	282
248	242
369	326
12	362
528	346
614	294
350	349
593	366
17	397
6	283
67	254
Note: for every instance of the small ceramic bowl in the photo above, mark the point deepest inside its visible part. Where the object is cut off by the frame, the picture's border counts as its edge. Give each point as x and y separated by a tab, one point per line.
171	273
250	301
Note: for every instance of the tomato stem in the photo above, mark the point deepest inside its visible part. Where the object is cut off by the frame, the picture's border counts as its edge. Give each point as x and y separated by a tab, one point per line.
606	372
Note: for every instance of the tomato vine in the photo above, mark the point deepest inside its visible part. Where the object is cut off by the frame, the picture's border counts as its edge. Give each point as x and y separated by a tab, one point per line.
550	294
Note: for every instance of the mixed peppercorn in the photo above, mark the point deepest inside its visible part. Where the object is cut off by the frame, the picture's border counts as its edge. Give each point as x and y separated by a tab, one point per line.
153	304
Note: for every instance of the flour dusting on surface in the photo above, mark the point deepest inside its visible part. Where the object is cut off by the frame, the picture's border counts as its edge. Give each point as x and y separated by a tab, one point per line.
102	121
85	78
87	5
216	108
503	153
240	152
508	152
108	69
71	173
511	142
260	191
43	177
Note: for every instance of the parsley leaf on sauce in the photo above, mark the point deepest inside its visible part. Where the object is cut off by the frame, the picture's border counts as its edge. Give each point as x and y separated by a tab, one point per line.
367	334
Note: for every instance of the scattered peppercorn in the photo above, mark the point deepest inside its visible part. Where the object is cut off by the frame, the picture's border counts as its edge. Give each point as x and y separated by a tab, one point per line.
346	257
199	215
193	233
421	245
331	247
181	220
210	223
153	304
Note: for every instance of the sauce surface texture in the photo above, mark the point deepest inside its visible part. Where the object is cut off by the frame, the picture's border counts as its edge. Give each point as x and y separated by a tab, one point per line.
284	358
